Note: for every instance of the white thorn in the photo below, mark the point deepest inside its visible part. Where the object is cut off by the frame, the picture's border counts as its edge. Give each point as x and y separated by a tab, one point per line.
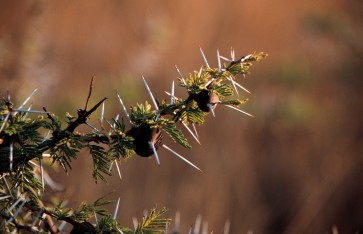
190	231
109	170
118	170
46	137
30	111
155	153
135	223
181	76
124	108
219	62
234	82
204	58
169	94
26	113
5	197
181	157
157	117
91	126
37	217
211	109
227	226
200	71
7	187
94	213
232	54
172	94
13	206
116	209
234	85
46	155
15	213
4	122
102	112
41	173
177	222
245	58
209	82
197	224
195	130
224	58
62	225
191	133
150	93
11	155
205	228
27	99
234	108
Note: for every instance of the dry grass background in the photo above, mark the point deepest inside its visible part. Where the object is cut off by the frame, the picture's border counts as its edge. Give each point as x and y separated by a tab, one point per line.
294	168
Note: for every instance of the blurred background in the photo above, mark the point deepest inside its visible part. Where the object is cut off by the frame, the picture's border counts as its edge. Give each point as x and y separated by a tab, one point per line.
294	168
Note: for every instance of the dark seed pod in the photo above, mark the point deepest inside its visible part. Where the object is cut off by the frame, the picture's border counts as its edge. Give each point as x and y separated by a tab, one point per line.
203	98
144	134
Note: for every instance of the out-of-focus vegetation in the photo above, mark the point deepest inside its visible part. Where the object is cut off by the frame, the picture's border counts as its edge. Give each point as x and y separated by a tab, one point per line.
294	168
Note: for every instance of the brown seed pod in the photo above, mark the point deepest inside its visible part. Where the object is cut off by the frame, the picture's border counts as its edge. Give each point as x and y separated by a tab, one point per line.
144	134
203	98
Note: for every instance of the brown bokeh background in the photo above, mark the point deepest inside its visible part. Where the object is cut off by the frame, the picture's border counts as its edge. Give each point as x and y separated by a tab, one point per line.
294	168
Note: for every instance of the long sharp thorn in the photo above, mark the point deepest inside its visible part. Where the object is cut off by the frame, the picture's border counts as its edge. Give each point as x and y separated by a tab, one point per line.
116	209
169	94
191	133
195	130
62	225
177	222
27	99
5	197
155	153
211	109
205	228
224	58
234	85
241	87
157	117
219	62
13	206
209	82
181	76
26	113
124	109
15	213
200	71
232	54
109	169
118	170
234	108
7	186
94	213
41	173
150	93
4	122
11	156
172	94
204	58
197	224
226	227
102	112
30	111
91	126
181	157
135	223
37	217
